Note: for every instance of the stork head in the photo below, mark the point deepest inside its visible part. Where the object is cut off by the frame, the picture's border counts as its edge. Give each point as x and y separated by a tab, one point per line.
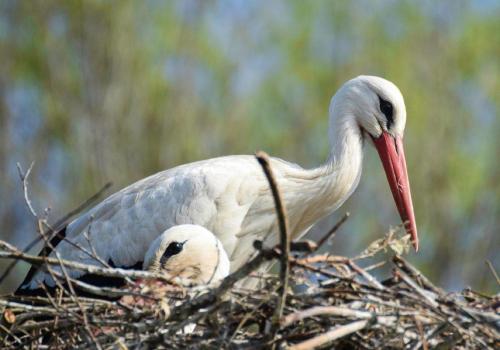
377	107
189	252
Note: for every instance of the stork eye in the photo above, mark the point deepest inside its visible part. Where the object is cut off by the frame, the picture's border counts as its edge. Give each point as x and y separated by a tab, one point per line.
173	248
387	109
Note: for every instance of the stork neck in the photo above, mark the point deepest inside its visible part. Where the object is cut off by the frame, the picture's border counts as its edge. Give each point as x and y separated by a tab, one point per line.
342	170
333	182
346	149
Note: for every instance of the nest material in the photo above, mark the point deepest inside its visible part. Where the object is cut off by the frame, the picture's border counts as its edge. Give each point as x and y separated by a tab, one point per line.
331	302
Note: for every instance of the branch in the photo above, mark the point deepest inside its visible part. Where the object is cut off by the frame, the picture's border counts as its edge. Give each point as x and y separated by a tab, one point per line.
417	275
65	219
333	230
57	226
325	310
335	333
24	180
264	161
11	252
493	271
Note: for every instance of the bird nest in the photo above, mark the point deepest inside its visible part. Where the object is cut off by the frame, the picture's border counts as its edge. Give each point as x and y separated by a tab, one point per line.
330	301
316	301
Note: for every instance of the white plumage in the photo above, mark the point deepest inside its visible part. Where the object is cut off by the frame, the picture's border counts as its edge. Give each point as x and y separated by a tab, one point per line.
230	195
189	253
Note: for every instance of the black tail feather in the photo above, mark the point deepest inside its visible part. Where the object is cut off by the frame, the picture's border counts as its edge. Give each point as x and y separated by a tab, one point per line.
47	249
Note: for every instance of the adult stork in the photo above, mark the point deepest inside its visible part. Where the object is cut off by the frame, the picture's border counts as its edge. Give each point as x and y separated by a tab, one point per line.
230	195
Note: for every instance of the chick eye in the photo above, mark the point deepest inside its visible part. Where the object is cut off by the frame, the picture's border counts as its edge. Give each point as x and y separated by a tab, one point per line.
172	249
387	109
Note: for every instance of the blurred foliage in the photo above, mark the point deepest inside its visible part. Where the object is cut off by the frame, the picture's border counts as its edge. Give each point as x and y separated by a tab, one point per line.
96	90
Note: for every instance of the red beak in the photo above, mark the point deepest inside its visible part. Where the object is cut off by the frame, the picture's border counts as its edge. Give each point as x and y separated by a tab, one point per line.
390	150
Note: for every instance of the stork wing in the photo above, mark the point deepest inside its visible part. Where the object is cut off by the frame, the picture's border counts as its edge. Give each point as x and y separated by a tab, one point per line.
216	193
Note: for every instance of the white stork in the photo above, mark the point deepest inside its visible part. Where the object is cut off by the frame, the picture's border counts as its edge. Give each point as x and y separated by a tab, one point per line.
188	252
230	195
190	255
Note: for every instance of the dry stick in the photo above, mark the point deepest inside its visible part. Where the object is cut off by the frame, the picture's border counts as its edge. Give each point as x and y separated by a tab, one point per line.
57	304
16	305
56	277
86	235
72	293
325	310
328	273
13	253
90	254
492	269
185	310
412	271
57	226
81	207
373	282
303	246
104	291
426	295
333	230
247	316
264	161
323	258
24	180
63	222
421	334
374	266
331	335
8	332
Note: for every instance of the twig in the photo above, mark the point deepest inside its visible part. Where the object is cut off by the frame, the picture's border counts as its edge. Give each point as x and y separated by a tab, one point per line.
86	235
6	330
412	271
376	284
492	269
63	221
408	311
16	305
13	253
185	310
330	336
57	226
421	334
24	180
72	293
324	310
426	295
330	234
250	314
264	161
323	258
305	246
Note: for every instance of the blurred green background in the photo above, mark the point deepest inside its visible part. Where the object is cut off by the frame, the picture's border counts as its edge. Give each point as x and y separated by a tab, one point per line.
97	91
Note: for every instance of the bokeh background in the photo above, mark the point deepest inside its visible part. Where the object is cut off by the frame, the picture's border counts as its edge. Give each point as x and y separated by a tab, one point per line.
96	91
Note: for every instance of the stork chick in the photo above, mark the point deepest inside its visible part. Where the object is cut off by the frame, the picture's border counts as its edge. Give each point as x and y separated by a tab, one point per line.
191	255
188	252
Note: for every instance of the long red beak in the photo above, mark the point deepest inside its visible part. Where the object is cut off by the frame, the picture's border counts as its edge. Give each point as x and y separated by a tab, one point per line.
392	155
